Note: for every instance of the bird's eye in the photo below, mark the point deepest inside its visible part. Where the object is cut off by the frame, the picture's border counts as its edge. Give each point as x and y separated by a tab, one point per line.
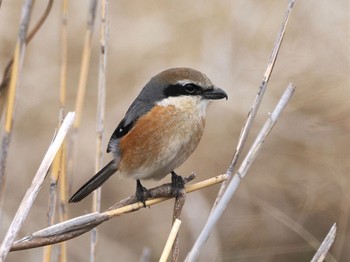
190	88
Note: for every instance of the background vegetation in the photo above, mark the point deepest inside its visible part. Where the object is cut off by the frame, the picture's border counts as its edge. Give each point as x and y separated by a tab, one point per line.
302	172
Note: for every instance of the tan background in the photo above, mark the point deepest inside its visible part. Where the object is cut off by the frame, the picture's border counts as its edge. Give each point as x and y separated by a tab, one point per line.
302	171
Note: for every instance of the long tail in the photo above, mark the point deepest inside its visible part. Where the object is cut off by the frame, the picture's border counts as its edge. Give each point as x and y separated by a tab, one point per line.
95	182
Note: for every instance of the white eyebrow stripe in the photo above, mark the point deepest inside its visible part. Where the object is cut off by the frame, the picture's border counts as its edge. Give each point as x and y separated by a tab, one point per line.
185	82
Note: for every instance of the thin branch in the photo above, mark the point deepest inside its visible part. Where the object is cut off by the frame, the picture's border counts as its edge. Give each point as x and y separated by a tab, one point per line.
326	245
257	101
178	205
242	171
34	188
80	225
171	239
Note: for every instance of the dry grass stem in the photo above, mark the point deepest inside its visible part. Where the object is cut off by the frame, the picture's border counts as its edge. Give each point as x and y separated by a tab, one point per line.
34	188
63	184
14	81
171	239
326	245
101	98
84	70
242	171
7	73
11	81
80	225
257	101
58	167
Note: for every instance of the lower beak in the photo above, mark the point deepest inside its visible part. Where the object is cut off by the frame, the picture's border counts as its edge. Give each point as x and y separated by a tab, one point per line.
215	94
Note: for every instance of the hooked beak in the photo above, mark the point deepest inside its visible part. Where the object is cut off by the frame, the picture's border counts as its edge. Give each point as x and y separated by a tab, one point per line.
215	94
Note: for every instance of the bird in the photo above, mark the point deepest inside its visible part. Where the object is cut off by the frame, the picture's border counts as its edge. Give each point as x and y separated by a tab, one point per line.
160	130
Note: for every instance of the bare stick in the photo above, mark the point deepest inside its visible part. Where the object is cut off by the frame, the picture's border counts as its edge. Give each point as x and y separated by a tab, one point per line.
169	243
242	171
257	101
14	82
34	188
178	205
326	245
96	199
79	225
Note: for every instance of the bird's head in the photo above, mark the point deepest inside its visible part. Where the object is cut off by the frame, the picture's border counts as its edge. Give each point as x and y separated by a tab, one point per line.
177	86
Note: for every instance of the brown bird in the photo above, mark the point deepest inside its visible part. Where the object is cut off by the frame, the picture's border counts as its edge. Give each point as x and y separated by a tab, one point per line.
160	130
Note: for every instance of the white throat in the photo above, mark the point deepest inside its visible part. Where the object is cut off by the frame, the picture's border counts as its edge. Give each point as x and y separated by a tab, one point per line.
189	104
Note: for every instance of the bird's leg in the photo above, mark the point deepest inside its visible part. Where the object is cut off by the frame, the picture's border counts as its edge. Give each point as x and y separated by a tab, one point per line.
142	193
177	184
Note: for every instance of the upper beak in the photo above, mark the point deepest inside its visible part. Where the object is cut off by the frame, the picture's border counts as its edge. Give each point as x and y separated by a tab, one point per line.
215	93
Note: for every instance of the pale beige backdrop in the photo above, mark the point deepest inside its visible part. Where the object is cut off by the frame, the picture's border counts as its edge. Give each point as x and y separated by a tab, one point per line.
302	171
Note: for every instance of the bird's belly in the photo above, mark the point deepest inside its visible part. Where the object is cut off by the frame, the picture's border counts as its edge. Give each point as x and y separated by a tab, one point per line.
157	145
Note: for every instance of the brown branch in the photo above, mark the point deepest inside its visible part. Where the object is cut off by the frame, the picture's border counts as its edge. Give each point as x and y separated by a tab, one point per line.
79	225
178	205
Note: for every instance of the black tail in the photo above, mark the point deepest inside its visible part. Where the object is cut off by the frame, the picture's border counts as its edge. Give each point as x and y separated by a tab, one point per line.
95	182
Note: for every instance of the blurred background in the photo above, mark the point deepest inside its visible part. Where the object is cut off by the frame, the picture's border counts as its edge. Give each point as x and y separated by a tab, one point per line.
301	177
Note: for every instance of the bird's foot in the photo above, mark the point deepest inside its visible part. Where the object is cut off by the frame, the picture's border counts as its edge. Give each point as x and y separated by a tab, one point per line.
177	184
142	193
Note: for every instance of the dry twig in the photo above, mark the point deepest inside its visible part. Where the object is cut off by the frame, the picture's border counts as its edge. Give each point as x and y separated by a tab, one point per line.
178	205
79	225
